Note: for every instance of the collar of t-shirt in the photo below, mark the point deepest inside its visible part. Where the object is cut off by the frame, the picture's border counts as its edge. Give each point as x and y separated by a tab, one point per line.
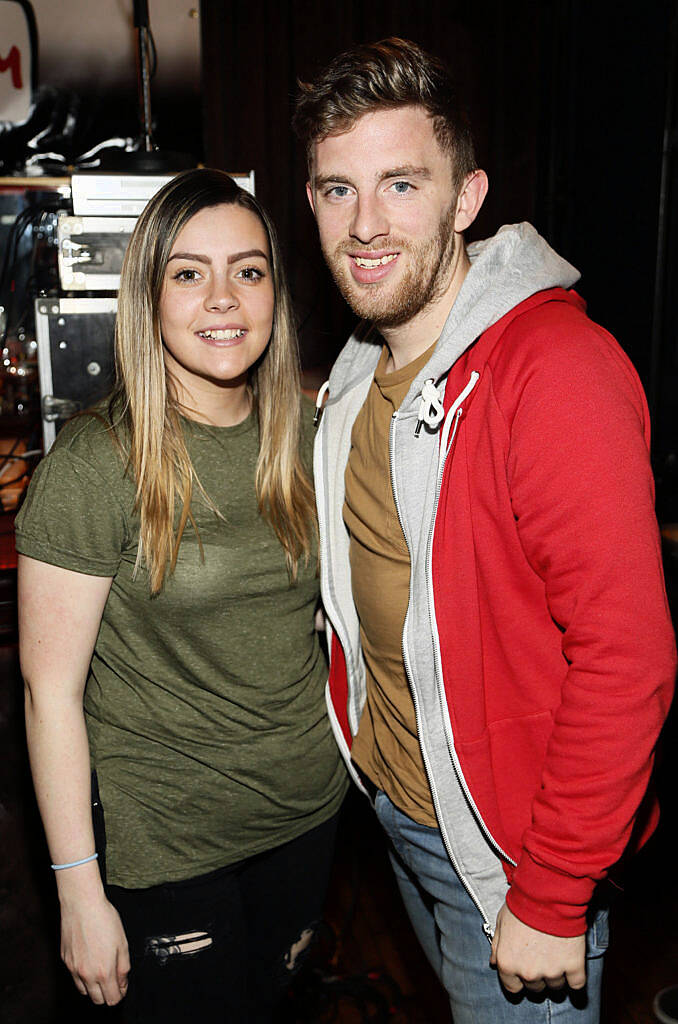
395	385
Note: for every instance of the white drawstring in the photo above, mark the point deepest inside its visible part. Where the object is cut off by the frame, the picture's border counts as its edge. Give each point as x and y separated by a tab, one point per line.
454	415
431	408
319	403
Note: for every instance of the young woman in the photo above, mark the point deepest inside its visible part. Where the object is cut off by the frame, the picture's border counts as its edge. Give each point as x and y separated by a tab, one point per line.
183	763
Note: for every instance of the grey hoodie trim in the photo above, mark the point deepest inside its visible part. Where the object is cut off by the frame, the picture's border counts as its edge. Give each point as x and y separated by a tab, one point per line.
505	270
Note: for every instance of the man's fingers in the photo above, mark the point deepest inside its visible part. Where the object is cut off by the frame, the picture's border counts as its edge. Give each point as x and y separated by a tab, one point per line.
576	979
556	983
514	982
511	982
535	986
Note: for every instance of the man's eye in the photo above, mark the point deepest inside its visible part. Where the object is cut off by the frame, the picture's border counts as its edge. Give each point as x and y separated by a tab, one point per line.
338	191
401	187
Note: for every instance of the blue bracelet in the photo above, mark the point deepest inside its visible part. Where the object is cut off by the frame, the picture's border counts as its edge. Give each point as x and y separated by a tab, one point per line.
74	863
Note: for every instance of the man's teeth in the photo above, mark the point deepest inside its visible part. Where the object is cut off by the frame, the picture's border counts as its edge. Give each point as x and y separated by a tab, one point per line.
368	264
222	335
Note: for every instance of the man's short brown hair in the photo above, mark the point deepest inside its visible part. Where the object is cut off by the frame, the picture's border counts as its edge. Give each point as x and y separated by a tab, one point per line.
375	76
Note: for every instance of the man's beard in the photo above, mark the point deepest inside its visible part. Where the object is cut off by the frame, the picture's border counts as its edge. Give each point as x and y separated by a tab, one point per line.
424	283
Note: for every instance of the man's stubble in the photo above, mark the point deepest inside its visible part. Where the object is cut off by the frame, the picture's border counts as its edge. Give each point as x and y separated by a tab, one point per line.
426	279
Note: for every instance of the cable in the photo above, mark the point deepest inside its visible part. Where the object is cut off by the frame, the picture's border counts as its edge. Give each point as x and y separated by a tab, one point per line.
153	53
31	290
28	217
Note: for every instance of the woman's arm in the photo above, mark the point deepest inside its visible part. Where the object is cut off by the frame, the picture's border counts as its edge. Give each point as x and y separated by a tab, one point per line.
59	617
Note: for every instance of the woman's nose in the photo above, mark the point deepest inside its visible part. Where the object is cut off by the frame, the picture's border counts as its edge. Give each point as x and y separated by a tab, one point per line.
222	295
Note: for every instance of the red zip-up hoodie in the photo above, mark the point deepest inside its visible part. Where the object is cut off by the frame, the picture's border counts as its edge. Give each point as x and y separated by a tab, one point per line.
555	637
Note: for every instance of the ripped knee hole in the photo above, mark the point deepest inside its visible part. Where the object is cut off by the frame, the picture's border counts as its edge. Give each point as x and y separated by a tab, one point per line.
165	946
299	948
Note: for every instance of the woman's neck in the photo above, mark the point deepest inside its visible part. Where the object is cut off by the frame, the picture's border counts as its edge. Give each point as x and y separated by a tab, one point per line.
220	407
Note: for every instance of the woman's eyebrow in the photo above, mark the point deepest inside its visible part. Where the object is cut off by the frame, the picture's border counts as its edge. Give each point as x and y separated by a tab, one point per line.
246	254
198	257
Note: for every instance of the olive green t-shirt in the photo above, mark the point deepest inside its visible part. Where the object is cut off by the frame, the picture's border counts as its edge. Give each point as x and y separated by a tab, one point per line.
205	705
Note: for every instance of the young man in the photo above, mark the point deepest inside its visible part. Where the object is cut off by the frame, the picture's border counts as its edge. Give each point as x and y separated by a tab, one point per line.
502	656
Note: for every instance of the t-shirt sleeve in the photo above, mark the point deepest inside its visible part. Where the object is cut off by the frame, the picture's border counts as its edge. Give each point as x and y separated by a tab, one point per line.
71	517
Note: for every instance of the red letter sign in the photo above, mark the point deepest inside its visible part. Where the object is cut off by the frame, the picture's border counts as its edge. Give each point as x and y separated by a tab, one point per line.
16	61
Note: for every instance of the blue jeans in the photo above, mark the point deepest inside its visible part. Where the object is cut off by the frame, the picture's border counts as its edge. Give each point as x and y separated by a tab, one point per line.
449	928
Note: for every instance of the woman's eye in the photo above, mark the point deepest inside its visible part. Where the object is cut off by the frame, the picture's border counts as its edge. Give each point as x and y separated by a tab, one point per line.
250	274
186	275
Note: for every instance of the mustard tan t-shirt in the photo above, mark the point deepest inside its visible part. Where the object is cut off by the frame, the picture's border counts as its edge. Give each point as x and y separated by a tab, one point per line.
386	747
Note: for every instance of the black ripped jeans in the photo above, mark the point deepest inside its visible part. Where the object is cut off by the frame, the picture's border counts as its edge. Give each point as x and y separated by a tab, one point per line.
223	947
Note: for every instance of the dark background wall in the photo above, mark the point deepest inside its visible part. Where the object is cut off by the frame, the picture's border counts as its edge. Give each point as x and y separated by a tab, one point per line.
569	102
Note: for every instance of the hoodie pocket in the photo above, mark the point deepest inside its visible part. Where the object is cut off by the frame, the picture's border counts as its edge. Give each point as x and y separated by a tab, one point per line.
517	750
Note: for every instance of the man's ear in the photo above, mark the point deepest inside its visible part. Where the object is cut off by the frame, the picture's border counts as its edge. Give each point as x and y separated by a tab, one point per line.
470	199
311	199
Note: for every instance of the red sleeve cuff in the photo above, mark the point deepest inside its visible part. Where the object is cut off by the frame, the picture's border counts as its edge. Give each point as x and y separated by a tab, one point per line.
549	901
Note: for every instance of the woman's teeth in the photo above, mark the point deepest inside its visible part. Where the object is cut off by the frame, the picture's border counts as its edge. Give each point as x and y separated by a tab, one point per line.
368	264
222	335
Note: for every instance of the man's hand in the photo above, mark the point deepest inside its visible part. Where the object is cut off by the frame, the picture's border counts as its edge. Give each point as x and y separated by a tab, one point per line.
527	958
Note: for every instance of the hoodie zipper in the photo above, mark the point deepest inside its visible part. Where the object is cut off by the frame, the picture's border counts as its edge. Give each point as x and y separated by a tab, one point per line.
415	700
445	453
335	616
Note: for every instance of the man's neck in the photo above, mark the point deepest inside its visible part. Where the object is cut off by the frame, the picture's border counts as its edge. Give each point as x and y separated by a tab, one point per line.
407	342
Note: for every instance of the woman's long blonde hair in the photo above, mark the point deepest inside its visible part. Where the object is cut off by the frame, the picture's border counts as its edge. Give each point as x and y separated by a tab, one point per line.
144	404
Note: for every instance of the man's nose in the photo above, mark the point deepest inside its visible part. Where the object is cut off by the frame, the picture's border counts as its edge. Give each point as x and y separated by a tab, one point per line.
369	221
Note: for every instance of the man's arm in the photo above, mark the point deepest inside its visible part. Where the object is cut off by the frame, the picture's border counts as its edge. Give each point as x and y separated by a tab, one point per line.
582	494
